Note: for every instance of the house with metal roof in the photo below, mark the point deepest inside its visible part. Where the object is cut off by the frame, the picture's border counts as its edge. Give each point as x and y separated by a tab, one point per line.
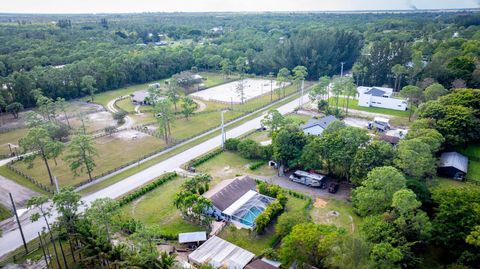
236	200
379	97
220	254
453	165
317	126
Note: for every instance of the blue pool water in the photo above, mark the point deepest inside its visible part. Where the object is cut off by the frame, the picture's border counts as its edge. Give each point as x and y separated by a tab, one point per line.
249	218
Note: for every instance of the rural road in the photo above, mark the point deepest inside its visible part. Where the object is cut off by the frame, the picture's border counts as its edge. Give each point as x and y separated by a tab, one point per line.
12	239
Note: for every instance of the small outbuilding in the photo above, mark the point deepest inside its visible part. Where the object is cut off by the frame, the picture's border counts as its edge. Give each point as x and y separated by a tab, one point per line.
192	239
453	165
220	254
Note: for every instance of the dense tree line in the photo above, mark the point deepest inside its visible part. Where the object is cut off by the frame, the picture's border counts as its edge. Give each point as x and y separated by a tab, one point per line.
117	50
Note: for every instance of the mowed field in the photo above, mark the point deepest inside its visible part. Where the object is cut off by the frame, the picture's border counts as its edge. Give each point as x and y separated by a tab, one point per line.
11	137
157	207
113	151
228	165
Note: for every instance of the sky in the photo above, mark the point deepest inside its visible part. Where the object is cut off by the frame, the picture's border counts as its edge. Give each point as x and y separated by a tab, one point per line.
131	6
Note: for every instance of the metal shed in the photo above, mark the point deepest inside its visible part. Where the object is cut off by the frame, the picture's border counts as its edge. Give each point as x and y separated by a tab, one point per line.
220	253
453	165
194	237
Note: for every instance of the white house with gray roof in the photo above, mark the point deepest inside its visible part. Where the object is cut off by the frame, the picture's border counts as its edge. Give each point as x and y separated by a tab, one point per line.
379	97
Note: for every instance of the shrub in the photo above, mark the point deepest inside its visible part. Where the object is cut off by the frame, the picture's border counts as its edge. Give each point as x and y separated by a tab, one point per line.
120	117
256	165
204	158
232	144
272	210
130	226
148	188
249	149
266	152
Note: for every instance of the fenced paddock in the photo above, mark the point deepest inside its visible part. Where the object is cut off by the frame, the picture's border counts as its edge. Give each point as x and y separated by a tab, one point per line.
227	93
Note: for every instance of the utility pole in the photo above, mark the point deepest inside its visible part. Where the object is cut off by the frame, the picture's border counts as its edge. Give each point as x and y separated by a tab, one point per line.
18	222
223	131
341	72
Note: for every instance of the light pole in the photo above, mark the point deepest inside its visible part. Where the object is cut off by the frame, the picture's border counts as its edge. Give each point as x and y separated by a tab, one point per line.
341	72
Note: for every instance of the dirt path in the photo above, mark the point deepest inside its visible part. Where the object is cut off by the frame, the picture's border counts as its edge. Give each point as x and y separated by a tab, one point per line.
201	106
129	122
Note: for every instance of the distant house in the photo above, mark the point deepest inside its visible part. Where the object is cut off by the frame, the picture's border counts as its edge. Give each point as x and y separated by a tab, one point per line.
317	126
142	98
237	201
379	97
217	30
453	165
220	254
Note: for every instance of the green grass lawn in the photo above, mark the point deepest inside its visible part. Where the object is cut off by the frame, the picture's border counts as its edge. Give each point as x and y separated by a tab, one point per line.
473	171
109	157
10	137
347	219
472	151
126	104
4	213
353	104
229	164
249	240
298	119
157	207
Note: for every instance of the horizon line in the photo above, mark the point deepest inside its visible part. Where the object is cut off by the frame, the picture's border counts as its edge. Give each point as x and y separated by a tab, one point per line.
251	11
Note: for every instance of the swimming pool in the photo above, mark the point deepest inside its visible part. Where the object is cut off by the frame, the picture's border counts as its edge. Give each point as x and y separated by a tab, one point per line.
249	218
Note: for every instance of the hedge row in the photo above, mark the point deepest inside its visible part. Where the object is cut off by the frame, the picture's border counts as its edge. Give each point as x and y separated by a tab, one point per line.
272	210
148	188
256	165
204	158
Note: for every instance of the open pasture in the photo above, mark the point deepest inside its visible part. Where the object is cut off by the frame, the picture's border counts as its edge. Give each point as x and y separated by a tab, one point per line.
228	93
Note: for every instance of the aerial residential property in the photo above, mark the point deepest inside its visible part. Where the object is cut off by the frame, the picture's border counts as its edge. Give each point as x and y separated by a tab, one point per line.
380	97
240	134
237	201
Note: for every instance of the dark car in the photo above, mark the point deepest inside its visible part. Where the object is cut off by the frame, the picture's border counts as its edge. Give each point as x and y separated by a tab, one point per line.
333	187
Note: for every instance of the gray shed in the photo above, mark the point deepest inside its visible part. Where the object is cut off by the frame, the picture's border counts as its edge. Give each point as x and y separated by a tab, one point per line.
453	165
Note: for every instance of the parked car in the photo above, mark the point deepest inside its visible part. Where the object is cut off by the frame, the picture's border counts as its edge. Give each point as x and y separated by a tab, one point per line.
333	187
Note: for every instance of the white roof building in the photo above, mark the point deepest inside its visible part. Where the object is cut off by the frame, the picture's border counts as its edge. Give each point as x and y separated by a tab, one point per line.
220	253
379	97
194	237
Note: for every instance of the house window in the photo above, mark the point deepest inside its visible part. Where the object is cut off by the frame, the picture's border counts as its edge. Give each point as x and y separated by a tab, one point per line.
399	105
